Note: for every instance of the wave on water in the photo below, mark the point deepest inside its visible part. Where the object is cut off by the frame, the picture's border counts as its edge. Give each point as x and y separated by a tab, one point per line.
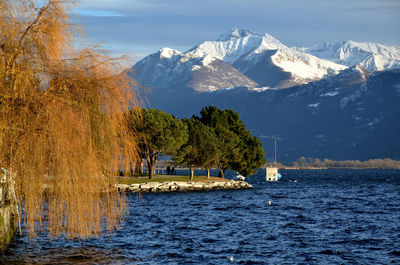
315	217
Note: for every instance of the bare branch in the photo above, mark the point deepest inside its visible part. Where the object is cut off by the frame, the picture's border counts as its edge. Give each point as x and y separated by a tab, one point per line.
38	17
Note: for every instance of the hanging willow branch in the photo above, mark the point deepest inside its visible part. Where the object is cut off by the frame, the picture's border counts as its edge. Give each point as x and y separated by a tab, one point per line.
61	123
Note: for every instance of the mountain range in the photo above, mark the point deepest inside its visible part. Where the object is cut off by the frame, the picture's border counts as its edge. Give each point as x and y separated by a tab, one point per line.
372	56
333	100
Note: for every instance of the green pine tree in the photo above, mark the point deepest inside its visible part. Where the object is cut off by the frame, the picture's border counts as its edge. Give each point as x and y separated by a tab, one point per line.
159	132
239	150
201	149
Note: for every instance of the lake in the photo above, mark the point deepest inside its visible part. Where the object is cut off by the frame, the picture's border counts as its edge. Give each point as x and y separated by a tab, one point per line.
315	217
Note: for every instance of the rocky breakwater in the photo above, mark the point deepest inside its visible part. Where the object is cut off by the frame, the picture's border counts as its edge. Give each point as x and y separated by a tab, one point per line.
170	186
8	211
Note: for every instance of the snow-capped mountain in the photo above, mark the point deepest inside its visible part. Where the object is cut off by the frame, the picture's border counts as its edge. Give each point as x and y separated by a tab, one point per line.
372	56
236	58
170	69
264	58
341	108
353	115
232	45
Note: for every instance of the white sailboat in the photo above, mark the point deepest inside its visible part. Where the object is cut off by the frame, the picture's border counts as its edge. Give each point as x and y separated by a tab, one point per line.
271	173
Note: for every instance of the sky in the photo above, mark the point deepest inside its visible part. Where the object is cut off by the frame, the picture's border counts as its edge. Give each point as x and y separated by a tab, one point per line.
140	27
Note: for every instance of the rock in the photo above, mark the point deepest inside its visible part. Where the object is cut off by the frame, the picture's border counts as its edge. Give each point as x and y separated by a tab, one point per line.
122	187
168	186
244	184
164	187
183	186
134	187
173	187
154	184
144	187
180	183
197	185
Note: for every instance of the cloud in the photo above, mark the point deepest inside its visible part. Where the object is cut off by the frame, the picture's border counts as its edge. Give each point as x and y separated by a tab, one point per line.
147	25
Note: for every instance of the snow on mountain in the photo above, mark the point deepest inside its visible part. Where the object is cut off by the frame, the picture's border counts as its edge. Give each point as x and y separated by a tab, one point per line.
170	69
246	50
237	58
160	69
304	67
245	59
346	112
353	115
372	56
169	53
234	44
214	74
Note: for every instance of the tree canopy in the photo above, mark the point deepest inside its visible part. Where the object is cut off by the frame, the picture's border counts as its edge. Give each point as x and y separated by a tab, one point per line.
61	122
158	132
218	138
239	150
201	149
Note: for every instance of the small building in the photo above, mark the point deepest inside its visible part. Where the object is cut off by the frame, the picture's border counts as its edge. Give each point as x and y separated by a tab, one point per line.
271	174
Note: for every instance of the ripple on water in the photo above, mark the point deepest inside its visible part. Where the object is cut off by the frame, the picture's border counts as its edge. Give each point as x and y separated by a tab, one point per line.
316	217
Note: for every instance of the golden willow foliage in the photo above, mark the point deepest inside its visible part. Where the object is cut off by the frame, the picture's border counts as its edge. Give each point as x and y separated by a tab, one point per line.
61	122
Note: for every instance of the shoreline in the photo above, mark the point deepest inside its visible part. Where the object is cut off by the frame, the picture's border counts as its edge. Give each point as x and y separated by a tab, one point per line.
182	186
330	168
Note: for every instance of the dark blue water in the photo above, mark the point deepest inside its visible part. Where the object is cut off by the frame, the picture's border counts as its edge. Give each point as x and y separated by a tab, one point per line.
316	217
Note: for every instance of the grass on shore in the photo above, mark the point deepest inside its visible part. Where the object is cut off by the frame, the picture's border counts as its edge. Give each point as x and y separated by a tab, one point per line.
162	178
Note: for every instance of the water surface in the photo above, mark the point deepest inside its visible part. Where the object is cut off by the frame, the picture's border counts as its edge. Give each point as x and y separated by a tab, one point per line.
316	217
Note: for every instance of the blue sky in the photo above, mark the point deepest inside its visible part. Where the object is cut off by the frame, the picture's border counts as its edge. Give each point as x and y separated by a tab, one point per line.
140	27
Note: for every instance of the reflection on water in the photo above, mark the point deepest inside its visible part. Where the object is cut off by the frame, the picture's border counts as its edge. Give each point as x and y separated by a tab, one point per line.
315	217
76	255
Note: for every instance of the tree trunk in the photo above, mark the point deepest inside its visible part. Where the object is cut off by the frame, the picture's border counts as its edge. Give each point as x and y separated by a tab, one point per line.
138	165
221	173
191	172
150	164
208	173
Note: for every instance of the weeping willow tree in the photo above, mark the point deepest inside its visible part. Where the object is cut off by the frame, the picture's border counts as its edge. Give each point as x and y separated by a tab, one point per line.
61	122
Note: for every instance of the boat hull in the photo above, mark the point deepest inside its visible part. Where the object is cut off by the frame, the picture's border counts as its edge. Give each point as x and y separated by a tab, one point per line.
272	174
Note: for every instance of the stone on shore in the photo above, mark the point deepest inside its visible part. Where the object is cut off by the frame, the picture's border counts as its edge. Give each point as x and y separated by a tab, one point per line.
168	186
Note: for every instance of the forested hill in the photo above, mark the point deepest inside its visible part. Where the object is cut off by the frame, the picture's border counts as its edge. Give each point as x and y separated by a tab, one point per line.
353	115
327	101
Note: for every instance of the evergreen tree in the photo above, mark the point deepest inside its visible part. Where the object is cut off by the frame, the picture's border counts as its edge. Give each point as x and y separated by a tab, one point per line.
201	149
252	155
239	150
158	132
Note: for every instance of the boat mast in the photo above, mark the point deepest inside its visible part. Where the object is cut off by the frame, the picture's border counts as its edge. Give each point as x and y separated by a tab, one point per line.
275	150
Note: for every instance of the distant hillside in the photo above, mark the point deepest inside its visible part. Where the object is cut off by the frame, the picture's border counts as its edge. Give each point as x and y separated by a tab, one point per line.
345	113
335	118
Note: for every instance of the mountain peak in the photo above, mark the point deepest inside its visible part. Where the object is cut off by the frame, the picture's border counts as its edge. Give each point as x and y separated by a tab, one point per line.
168	52
372	56
235	33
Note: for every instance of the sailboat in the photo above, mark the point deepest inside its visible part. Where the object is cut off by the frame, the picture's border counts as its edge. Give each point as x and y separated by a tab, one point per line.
271	173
